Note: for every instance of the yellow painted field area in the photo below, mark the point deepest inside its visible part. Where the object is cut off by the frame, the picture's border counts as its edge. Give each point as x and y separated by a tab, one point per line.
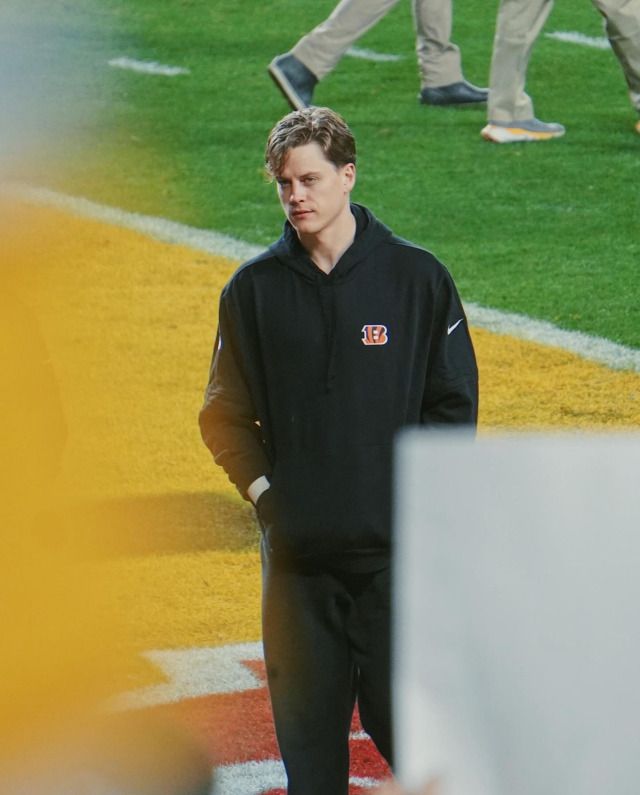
129	325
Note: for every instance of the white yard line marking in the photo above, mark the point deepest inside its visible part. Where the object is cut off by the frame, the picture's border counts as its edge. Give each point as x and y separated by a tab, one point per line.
250	778
596	349
258	777
371	55
573	37
148	67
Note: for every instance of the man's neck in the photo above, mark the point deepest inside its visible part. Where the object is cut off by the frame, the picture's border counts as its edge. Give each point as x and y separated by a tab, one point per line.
326	248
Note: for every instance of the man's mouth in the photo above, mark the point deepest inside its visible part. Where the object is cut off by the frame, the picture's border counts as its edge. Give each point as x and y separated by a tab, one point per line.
300	213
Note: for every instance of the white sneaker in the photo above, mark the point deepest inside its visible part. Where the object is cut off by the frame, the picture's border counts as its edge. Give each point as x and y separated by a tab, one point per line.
506	132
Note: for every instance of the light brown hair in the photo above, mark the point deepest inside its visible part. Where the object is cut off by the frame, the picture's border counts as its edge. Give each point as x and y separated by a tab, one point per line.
310	125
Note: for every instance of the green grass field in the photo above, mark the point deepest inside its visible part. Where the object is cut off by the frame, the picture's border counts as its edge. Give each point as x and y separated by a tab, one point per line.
547	230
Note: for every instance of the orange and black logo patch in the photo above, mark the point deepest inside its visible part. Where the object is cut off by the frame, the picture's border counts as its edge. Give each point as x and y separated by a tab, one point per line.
375	334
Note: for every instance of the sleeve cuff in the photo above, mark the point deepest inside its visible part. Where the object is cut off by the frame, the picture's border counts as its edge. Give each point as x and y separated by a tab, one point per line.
257	488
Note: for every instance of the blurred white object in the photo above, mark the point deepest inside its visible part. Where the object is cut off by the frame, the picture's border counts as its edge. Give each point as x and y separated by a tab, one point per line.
517	650
54	89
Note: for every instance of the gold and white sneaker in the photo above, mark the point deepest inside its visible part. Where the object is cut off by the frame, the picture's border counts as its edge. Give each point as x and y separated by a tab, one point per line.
506	132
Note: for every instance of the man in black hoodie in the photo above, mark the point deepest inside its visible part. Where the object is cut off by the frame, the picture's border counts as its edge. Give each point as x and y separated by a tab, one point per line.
329	342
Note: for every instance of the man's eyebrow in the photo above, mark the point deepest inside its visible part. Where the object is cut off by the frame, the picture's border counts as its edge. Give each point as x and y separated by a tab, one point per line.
282	178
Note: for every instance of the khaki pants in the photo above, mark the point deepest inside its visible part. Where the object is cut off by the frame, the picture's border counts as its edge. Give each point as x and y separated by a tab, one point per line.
622	25
438	58
518	25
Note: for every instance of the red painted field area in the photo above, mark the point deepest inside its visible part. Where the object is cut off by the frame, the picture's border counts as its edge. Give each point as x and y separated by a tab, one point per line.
236	730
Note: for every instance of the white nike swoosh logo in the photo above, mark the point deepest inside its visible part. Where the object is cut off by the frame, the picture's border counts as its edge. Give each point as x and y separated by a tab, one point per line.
455	326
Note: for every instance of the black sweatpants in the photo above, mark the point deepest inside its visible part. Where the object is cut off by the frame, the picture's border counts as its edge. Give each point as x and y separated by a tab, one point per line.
326	643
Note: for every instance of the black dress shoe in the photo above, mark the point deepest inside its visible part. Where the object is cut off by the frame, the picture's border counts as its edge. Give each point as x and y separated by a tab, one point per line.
294	80
462	93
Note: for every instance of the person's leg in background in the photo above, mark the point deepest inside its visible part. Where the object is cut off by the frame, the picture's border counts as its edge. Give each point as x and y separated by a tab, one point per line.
622	26
297	72
321	49
439	60
510	109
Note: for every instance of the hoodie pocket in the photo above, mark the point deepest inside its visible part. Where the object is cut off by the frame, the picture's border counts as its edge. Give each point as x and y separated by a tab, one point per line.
331	503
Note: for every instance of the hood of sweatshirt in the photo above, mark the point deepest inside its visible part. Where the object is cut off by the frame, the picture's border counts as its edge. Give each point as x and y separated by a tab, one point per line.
369	233
290	252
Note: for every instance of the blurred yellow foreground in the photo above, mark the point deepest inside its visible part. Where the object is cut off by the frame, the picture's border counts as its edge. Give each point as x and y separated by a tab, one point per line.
65	650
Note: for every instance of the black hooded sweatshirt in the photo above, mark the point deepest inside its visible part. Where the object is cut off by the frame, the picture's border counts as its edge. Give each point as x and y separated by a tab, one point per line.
313	375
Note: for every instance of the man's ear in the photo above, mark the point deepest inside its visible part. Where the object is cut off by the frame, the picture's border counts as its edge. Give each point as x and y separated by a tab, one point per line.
349	176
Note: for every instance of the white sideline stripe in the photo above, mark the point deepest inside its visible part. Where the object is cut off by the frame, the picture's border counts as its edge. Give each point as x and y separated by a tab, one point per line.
573	37
372	55
148	67
596	349
157	228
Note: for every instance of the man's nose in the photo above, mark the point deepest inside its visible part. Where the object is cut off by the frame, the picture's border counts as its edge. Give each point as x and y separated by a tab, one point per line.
297	192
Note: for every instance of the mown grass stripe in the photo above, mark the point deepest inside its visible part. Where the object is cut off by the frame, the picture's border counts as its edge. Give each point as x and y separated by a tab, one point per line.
573	37
596	349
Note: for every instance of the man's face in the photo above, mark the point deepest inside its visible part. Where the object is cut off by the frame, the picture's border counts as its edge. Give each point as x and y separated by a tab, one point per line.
313	192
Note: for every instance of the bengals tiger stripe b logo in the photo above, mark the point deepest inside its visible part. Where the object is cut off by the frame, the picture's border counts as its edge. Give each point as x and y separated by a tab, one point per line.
375	334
